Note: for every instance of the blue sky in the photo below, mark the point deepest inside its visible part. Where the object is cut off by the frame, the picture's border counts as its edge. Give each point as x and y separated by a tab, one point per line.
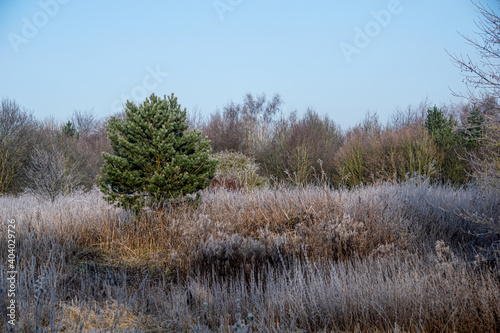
60	55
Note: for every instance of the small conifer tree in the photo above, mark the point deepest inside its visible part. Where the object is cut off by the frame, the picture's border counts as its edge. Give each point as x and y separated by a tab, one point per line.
440	128
475	130
453	166
155	158
69	130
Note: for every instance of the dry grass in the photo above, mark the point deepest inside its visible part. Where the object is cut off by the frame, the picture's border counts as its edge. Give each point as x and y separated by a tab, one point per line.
388	257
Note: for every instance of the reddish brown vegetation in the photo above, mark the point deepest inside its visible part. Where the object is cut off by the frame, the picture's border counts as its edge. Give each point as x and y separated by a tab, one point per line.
227	184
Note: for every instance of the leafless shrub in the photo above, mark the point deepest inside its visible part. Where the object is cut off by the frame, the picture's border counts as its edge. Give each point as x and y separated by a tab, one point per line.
486	161
50	174
82	151
86	154
225	130
296	145
408	117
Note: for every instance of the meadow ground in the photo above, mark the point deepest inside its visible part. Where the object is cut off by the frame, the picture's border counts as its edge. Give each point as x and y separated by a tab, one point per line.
408	257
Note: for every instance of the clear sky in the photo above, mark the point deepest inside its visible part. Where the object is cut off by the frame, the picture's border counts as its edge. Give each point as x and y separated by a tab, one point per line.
342	58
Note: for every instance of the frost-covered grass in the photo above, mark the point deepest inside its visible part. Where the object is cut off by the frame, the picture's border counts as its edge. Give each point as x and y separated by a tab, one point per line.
388	257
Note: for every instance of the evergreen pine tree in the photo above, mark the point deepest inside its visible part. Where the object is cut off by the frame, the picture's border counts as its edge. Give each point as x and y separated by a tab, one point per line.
474	133
440	128
69	130
155	158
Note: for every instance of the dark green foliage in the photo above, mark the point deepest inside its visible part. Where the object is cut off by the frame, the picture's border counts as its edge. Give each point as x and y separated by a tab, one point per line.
69	130
454	167
474	132
440	128
155	159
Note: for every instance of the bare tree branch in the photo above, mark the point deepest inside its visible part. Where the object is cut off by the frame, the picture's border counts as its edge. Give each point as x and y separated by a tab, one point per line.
485	74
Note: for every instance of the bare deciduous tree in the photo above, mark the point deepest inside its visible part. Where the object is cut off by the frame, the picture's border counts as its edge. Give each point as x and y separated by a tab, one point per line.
484	75
225	130
243	127
85	122
257	115
51	174
16	138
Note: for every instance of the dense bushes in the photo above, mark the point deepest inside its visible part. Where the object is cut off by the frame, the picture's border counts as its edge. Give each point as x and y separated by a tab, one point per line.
238	169
28	146
425	140
300	149
242	127
455	144
373	153
441	143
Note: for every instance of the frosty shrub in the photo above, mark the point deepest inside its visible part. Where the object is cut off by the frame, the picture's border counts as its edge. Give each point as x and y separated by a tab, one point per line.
238	167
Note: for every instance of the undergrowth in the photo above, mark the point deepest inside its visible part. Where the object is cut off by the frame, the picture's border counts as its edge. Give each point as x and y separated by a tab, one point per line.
408	257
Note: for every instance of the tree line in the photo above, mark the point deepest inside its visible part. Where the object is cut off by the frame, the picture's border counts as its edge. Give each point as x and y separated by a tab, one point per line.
441	143
446	144
48	158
